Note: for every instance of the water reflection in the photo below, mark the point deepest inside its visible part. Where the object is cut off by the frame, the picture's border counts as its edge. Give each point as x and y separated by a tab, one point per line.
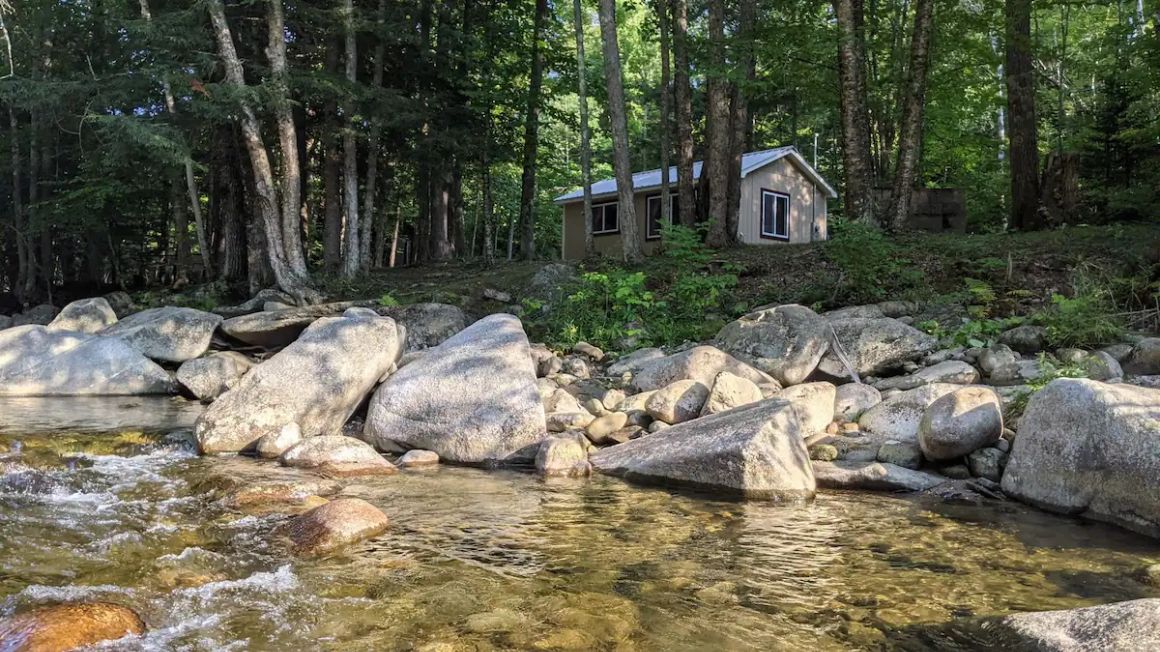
478	560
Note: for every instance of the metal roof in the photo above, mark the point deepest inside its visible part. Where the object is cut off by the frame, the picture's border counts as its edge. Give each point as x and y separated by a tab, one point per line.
651	179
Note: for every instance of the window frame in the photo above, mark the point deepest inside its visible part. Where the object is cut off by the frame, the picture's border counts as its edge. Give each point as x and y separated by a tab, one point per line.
601	206
648	211
761	216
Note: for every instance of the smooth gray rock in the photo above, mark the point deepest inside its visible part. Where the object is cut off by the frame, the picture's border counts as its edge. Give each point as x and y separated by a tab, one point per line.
898	416
875	346
121	303
563	457
1132	626
1020	372
870	311
908	455
85	316
5	322
1102	366
853	399
634	362
473	400
317	382
1091	449
255	304
1024	339
416	458
337	455
730	391
874	476
784	341
987	463
169	333
701	363
272	445
1144	360
755	451
35	361
814	404
40	315
995	357
961	422
277	328
950	371
209	377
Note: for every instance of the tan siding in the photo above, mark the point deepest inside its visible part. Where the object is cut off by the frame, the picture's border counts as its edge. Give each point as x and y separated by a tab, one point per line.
606	245
805	201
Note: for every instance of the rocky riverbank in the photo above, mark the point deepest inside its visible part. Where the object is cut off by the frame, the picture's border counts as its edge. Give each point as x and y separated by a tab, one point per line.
782	402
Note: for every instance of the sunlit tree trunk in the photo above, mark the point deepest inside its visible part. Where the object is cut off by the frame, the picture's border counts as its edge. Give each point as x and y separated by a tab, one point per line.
350	263
664	19
739	109
855	117
683	93
1021	123
626	208
720	134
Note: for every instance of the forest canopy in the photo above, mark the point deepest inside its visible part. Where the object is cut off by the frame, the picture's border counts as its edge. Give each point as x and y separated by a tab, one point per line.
262	142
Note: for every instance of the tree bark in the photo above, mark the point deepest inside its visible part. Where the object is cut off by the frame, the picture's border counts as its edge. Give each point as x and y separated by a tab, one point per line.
663	17
532	136
369	218
351	263
19	217
626	207
331	176
854	114
180	233
914	103
686	185
585	131
266	199
720	135
739	110
1021	122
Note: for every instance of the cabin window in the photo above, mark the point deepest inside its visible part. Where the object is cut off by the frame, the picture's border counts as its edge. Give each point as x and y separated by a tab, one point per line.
604	219
774	215
653	227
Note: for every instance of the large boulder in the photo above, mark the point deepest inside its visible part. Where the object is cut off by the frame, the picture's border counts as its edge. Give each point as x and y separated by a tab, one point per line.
337	455
273	329
1144	360
730	391
427	324
1091	449
874	346
68	627
317	383
169	333
949	371
209	377
784	341
898	416
814	403
1125	626
333	526
85	316
634	362
701	363
38	362
853	399
679	402
756	451
960	423
1024	339
472	399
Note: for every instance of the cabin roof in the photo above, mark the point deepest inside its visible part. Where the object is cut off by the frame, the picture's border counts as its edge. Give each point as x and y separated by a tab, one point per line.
651	179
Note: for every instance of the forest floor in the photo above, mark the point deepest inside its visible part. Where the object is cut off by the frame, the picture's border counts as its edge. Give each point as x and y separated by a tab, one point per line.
1021	270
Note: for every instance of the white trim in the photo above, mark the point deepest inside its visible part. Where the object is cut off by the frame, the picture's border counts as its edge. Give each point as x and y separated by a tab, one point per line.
602	220
761	216
648	211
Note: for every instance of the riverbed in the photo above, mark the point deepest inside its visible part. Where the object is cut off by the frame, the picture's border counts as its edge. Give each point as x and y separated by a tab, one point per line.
106	499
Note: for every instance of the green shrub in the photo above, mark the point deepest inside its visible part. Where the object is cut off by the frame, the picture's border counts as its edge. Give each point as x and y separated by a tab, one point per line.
388	301
873	267
686	246
1084	321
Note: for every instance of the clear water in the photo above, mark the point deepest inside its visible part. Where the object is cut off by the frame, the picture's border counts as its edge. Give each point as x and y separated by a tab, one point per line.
91	508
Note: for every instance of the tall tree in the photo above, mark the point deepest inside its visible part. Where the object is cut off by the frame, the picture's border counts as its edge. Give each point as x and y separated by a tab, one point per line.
351	262
739	108
369	217
626	208
585	131
720	132
858	204
666	107
914	103
1022	129
683	93
532	135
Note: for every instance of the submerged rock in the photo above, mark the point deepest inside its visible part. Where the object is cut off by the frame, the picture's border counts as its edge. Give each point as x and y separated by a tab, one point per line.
1091	449
68	626
701	363
756	451
333	526
875	476
169	333
416	458
40	362
317	383
337	455
473	400
209	377
1132	625
85	316
784	341
563	456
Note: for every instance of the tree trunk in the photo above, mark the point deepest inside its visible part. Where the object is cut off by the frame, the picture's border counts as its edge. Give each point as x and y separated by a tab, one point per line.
1021	124
351	262
910	132
720	135
686	185
180	233
855	117
19	216
664	17
369	218
739	110
532	137
266	199
331	176
585	133
626	207
488	199
291	181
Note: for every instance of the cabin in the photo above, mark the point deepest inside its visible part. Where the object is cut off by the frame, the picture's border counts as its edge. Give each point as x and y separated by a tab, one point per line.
783	200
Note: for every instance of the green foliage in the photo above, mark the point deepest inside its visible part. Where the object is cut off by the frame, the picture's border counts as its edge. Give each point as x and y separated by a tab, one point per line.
1081	321
873	267
972	332
388	301
1049	369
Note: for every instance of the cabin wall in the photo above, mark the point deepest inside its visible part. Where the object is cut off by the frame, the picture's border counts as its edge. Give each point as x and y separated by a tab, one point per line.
609	244
807	204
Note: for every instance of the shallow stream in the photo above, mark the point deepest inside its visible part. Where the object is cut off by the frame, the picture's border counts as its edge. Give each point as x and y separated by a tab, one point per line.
105	499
